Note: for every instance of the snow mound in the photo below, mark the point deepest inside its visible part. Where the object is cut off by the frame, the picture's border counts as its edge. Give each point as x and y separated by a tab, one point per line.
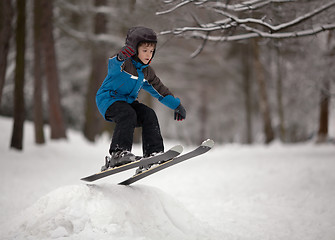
106	211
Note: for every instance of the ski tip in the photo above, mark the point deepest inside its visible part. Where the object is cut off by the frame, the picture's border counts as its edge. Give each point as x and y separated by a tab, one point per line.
85	179
177	148
208	143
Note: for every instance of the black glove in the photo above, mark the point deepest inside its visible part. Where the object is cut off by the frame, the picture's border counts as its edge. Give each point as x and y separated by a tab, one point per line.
179	113
125	53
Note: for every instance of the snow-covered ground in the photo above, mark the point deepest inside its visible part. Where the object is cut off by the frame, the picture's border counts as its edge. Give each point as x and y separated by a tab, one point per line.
232	192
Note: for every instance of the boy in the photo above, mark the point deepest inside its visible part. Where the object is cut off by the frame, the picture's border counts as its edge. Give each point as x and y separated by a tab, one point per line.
128	73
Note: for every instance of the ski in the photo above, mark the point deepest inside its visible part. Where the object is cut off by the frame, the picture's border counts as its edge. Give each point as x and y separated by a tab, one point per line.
203	148
171	153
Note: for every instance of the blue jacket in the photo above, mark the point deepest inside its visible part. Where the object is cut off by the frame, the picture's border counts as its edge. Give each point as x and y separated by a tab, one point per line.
125	79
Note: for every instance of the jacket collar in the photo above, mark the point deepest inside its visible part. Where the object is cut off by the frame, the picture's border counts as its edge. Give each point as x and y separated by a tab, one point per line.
138	64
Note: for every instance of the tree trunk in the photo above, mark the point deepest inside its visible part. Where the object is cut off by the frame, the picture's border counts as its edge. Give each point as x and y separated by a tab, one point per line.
93	121
263	98
203	112
325	97
246	66
324	111
38	84
6	15
279	89
132	5
56	119
19	110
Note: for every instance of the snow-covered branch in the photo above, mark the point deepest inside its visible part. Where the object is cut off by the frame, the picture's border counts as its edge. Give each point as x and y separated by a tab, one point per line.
89	37
247	27
256	33
282	26
246	5
203	28
183	3
85	9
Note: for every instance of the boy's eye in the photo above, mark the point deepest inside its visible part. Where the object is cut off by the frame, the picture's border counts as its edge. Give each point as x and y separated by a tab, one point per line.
147	50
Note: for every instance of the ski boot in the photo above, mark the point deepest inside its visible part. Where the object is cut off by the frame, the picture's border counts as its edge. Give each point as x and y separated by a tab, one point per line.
117	159
143	168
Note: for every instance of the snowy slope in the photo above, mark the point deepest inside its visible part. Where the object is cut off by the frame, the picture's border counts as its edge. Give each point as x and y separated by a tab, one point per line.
232	192
106	211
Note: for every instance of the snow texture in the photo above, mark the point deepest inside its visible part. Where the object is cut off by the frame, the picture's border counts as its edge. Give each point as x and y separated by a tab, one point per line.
232	192
106	211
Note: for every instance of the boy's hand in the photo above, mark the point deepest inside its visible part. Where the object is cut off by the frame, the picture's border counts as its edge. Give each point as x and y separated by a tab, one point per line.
179	113
125	53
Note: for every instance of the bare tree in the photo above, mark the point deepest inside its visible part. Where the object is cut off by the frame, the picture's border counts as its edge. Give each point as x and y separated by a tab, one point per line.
56	119
38	83
263	97
252	19
245	55
325	98
100	45
279	91
6	15
324	111
19	109
233	28
93	123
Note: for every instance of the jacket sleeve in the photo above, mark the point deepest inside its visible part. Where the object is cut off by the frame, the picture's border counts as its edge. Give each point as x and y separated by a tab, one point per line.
114	66
157	89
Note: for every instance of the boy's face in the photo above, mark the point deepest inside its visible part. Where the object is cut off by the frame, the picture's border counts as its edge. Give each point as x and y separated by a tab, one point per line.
145	52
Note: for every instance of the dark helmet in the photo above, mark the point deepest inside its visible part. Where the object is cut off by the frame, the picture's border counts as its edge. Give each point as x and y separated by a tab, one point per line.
139	34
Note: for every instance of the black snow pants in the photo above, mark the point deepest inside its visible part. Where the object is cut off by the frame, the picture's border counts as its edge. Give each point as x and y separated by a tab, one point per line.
127	117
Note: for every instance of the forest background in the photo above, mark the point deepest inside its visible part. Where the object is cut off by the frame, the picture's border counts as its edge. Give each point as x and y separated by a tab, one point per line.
240	79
